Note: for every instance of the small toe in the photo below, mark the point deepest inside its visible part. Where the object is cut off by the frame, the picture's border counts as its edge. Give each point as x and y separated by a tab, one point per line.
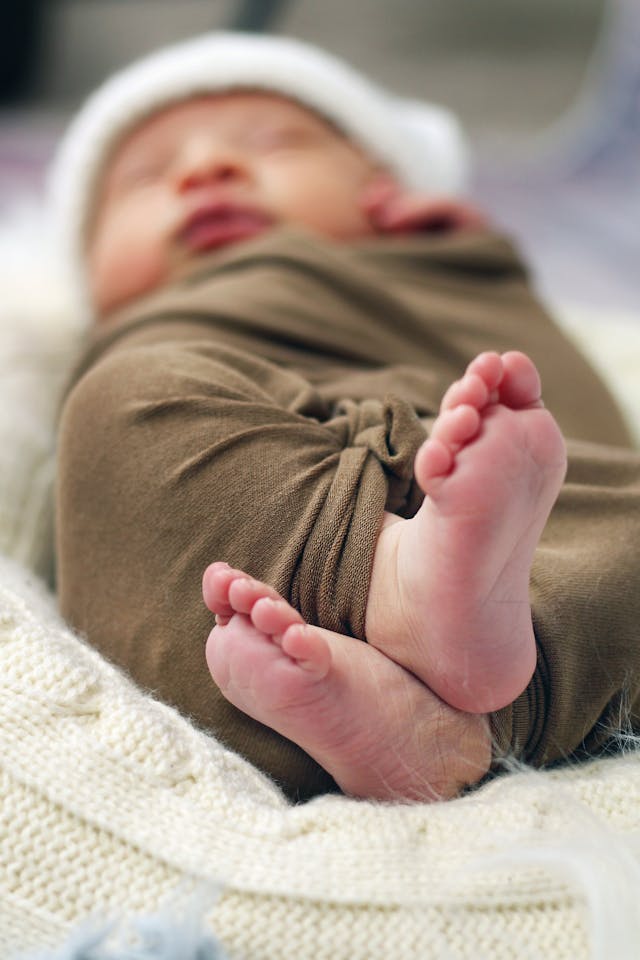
434	459
274	616
436	456
456	427
471	390
489	367
308	647
244	592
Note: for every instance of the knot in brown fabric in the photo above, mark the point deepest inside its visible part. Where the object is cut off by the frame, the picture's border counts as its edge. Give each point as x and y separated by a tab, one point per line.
392	432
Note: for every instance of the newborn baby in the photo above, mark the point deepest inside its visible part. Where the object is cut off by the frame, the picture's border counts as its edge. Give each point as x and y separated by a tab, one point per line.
267	400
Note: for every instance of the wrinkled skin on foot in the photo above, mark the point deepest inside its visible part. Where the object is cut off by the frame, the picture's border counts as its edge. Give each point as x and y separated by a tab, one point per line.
379	731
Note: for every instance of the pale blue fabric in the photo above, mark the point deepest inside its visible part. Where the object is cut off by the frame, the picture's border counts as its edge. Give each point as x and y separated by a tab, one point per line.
148	938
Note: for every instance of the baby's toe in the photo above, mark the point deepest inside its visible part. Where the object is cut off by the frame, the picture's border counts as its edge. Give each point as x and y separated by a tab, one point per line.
309	648
456	427
489	367
450	432
274	615
216	581
520	385
434	459
471	390
244	592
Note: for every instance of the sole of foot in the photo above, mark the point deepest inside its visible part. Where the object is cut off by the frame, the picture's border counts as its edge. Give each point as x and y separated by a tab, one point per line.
449	594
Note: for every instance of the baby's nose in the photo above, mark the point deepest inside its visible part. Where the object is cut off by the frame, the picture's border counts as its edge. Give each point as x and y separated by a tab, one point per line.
207	162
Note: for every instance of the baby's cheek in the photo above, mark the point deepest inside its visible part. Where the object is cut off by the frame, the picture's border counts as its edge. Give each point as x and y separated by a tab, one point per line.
124	268
337	214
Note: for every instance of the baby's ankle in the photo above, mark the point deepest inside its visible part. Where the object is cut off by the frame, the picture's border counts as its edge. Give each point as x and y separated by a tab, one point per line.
381	609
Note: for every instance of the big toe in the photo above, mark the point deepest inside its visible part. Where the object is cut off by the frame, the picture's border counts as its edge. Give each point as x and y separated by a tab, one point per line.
216	581
273	615
520	385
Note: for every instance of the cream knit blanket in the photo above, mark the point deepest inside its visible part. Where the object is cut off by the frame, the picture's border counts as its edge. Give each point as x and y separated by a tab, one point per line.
111	804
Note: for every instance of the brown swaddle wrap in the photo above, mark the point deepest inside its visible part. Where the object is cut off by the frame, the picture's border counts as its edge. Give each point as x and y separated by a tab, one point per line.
266	411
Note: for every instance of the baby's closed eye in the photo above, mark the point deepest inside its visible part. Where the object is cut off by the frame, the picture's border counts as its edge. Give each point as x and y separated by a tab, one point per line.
141	176
285	137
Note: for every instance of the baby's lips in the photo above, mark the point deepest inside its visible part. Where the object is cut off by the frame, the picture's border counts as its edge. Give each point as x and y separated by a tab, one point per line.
217	226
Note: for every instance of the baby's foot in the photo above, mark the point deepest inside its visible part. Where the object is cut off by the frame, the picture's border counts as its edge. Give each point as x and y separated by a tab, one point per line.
449	594
372	725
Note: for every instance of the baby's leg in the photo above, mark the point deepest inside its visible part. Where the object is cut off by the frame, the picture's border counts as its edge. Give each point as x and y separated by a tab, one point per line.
449	593
376	728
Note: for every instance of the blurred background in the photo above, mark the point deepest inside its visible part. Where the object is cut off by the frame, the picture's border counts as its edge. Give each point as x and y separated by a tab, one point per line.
548	92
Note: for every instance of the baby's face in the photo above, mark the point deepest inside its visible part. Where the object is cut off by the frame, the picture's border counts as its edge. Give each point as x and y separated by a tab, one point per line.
215	170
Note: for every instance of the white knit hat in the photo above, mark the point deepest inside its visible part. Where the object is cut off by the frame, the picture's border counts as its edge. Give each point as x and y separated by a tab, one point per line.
420	143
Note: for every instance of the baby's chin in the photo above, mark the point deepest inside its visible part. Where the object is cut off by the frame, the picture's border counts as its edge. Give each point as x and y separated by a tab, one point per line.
207	242
107	303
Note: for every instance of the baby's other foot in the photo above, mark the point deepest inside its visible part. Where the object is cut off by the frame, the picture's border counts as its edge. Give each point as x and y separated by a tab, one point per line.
229	592
375	728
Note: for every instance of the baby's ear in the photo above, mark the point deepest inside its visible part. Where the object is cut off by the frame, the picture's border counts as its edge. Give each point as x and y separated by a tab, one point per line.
381	187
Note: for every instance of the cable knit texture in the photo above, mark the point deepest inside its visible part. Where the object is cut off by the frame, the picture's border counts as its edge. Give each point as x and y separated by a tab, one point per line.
113	805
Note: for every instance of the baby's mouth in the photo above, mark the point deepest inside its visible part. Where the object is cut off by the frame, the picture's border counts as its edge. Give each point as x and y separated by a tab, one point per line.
220	224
